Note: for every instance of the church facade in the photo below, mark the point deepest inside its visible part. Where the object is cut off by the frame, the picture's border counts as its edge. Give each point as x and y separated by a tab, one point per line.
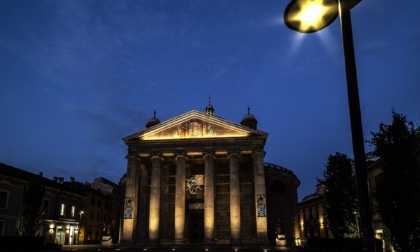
198	178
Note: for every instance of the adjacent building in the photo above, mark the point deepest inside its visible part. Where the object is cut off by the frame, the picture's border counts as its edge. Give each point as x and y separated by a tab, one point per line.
312	217
198	178
59	221
71	212
99	213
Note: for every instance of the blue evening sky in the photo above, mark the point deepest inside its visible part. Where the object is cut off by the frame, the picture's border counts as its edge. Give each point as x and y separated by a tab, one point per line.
78	76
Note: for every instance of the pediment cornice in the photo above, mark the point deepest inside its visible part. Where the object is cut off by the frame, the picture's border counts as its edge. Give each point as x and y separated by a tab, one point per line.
195	125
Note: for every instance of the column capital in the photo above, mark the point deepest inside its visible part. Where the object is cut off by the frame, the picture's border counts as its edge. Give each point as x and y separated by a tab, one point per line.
233	153
131	156
180	155
156	156
258	152
208	154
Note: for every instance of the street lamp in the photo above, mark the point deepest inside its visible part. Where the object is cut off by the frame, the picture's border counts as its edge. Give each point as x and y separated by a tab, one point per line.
307	16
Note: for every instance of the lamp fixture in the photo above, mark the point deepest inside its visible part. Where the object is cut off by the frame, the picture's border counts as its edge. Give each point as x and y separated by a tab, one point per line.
307	16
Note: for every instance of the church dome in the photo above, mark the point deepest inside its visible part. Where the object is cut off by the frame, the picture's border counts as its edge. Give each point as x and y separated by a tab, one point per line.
249	120
152	121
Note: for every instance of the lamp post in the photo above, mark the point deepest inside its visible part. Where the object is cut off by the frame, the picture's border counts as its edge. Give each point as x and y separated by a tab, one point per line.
307	16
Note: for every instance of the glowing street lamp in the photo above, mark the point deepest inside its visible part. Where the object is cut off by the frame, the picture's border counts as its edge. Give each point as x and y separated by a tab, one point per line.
307	16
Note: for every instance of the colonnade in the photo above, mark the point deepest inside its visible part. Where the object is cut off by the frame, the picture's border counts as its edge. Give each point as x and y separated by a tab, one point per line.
129	225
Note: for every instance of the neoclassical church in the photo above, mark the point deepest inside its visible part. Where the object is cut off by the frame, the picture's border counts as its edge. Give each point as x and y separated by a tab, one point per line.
198	178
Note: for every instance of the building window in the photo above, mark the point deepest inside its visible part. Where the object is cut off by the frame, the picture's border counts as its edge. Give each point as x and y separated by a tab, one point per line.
4	199
62	209
73	211
99	203
46	206
106	205
93	201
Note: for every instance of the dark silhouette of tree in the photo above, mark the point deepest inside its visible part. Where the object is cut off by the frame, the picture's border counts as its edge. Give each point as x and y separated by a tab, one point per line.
340	196
398	187
30	213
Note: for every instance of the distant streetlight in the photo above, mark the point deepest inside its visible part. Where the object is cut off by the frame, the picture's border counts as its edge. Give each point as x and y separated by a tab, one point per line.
307	16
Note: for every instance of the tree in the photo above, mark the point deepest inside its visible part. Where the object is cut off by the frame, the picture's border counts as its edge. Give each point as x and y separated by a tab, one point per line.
398	187
31	211
340	196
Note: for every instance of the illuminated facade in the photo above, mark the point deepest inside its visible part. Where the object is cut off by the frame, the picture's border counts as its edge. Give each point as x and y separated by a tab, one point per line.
198	178
312	216
99	208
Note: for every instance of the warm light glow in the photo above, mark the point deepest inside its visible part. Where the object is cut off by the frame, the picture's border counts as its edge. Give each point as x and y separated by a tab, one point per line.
52	225
172	137
321	222
311	13
154	227
194	153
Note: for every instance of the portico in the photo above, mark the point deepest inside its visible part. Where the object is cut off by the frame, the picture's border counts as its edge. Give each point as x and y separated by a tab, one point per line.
195	178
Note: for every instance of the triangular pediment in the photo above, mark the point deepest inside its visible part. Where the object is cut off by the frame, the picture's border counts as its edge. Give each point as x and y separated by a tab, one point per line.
195	124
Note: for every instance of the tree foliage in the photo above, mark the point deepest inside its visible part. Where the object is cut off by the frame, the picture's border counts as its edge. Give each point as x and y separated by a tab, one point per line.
30	213
398	188
340	196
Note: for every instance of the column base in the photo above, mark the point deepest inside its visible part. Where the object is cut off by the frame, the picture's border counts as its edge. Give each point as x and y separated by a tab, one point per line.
208	241
127	242
153	241
235	240
180	241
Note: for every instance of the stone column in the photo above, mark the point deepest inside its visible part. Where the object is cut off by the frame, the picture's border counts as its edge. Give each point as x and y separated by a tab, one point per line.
180	200
235	199
142	203
155	199
260	197
130	201
208	198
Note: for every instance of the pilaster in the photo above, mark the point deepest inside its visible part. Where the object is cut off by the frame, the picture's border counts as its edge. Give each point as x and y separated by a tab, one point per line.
130	201
260	197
